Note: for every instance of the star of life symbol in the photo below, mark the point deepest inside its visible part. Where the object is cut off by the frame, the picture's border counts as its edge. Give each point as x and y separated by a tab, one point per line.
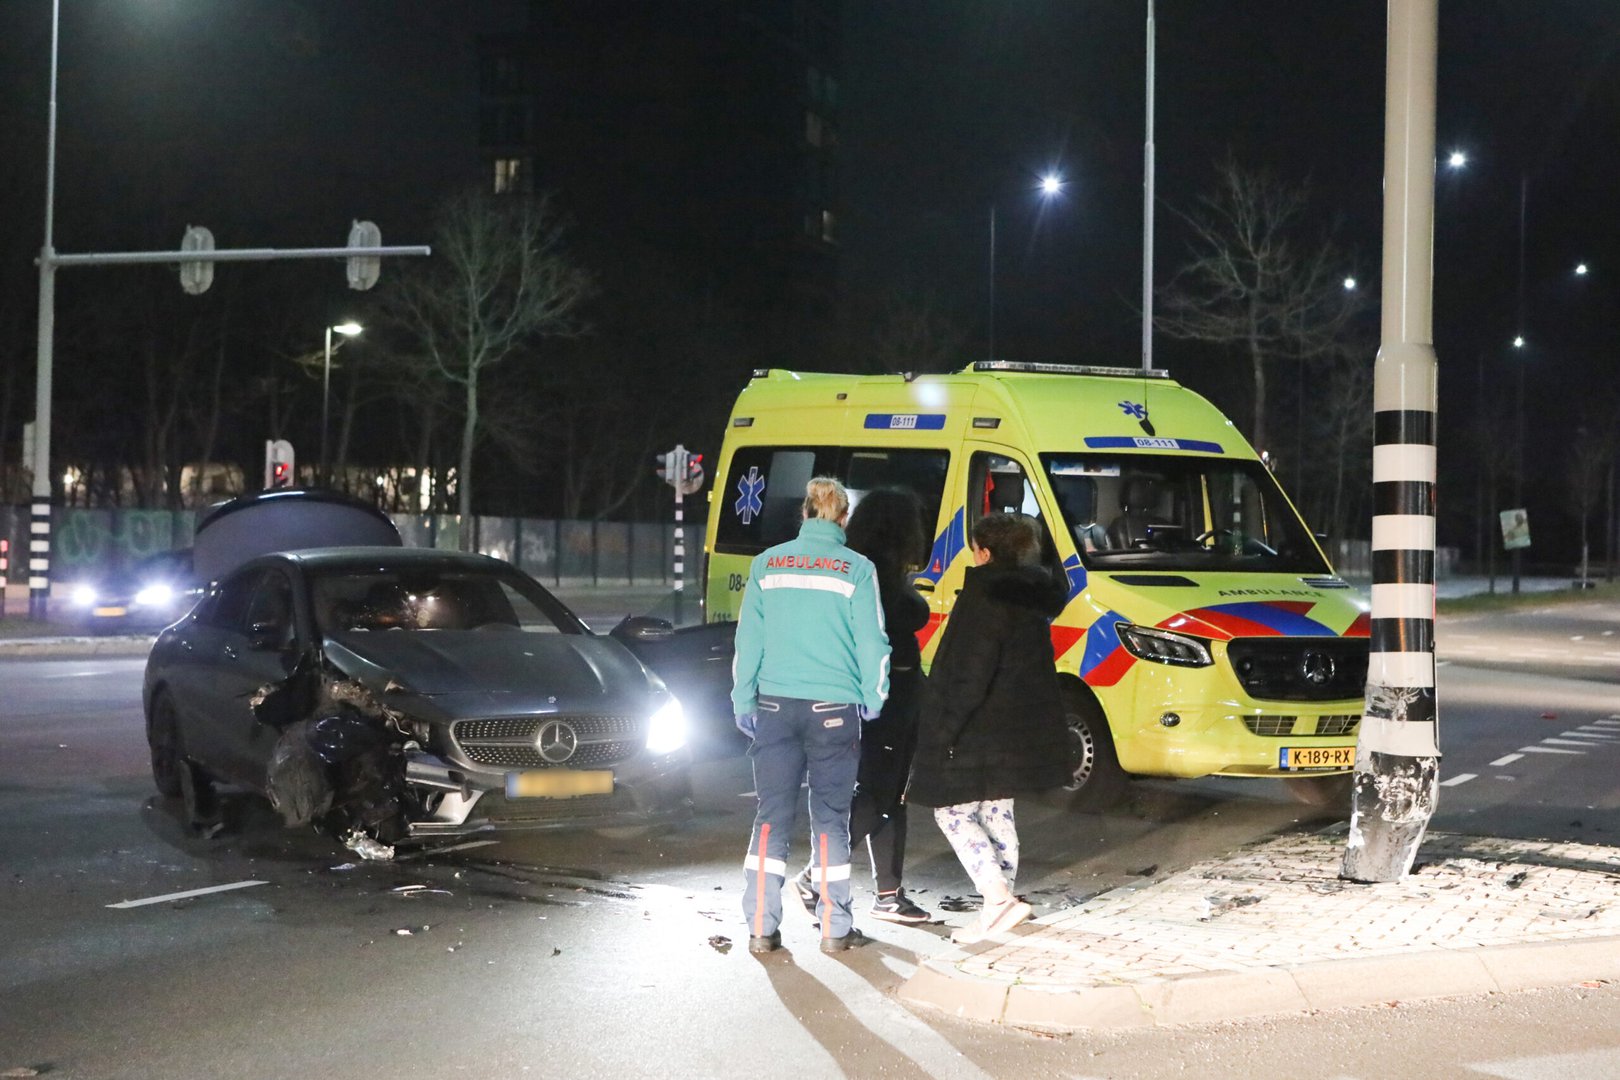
1134	410
749	488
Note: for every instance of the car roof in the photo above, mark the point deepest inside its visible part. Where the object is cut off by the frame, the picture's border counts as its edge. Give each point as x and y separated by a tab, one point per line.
350	558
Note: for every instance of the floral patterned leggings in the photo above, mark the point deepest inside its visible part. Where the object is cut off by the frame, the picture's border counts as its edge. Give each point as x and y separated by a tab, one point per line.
985	839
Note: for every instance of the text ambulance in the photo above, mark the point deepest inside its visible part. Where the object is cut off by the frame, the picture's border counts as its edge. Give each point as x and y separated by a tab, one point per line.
1205	632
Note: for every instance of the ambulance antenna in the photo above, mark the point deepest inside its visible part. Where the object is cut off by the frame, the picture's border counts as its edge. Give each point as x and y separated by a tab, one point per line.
1147	425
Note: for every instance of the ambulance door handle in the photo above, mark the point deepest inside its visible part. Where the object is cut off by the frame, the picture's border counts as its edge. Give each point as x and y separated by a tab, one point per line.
924	586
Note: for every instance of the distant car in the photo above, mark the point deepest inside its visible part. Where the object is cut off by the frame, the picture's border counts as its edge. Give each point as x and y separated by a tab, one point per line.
150	594
386	692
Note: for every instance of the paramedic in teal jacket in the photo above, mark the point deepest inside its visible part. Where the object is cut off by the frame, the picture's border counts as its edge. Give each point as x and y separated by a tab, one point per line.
812	663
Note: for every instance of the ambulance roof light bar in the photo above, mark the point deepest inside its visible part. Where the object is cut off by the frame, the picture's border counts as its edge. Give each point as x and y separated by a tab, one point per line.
1068	369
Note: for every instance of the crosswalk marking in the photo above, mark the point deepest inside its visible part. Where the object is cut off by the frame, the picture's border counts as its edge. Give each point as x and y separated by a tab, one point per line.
1564	742
1550	750
1506	759
1460	778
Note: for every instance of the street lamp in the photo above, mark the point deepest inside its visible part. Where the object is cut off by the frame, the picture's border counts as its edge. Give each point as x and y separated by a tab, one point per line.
1051	185
1580	269
1457	159
347	329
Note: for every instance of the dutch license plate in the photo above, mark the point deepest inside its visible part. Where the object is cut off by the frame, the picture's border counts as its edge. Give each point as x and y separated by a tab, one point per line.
1316	757
559	783
108	612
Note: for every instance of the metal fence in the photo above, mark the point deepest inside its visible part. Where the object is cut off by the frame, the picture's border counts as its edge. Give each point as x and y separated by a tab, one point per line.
88	541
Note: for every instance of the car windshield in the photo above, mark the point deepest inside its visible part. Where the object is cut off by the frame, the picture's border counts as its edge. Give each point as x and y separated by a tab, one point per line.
1179	513
369	599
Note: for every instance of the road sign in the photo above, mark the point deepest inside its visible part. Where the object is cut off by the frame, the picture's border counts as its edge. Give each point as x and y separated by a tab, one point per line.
1515	529
195	277
364	270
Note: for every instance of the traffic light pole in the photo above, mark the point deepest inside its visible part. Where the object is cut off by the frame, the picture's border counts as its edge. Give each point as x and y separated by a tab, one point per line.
680	551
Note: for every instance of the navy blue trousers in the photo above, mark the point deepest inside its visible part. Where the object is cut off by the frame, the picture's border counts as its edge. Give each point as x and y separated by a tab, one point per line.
795	736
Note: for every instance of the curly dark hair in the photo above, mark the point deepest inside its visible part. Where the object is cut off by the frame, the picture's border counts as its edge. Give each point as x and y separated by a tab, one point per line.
886	527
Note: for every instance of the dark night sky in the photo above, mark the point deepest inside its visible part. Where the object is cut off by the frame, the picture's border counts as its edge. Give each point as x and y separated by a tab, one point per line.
276	121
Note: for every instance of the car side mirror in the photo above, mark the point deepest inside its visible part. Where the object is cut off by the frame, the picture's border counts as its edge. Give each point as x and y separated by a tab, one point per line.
643	628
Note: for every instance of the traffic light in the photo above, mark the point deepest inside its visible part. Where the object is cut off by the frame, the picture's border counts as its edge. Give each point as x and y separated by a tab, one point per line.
278	464
694	472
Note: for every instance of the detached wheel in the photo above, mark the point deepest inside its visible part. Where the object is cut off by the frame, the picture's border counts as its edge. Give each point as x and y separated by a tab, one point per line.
163	736
1097	782
1322	792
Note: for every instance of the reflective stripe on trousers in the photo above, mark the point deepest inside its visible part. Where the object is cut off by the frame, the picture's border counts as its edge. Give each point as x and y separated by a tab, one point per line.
796	736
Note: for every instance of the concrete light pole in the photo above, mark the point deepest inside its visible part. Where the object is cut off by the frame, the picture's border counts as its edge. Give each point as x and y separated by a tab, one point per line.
1147	204
347	329
39	516
1398	754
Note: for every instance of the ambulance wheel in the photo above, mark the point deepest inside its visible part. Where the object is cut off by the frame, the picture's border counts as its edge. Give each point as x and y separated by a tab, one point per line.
1322	792
1097	782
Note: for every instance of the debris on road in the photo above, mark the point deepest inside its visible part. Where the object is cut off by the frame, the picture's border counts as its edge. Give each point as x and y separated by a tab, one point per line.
720	943
367	848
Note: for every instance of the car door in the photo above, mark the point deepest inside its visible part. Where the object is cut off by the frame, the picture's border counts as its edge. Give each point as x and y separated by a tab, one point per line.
198	678
257	657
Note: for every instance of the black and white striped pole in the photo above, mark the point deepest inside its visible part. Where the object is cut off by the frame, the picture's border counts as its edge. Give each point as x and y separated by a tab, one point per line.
1398	749
682	470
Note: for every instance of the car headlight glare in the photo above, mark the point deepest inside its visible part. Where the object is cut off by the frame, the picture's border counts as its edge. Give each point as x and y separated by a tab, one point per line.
84	595
666	732
1164	647
158	595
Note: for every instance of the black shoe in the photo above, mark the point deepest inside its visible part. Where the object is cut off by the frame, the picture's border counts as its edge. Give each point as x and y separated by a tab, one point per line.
898	907
769	943
805	886
852	940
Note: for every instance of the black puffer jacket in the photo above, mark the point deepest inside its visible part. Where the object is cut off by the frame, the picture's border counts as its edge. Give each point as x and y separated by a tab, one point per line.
992	719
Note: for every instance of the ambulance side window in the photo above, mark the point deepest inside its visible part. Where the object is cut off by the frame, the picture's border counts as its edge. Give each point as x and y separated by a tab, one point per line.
921	472
999	485
763	498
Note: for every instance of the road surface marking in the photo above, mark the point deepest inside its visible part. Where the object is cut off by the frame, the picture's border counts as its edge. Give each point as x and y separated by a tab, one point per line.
1460	778
1549	750
1577	637
1599	732
1506	759
1565	742
188	894
441	850
1596	737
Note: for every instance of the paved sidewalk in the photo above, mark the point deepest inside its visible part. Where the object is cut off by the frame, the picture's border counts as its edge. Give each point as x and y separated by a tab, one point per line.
1272	929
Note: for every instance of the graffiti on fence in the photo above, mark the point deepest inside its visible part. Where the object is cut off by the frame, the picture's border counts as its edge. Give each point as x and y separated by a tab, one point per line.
86	539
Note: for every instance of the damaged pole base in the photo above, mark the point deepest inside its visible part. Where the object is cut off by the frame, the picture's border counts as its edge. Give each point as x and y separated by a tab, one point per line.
1390	806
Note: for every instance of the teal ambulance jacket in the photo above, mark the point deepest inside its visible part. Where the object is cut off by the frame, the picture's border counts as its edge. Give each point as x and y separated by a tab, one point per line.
811	625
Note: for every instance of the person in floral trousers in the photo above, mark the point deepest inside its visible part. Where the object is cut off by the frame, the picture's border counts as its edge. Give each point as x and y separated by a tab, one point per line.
993	723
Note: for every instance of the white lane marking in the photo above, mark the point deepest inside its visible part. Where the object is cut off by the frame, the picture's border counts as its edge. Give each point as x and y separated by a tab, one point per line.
1611	722
1550	750
1596	738
1564	742
1506	759
1577	637
1599	732
1460	778
76	674
425	852
188	894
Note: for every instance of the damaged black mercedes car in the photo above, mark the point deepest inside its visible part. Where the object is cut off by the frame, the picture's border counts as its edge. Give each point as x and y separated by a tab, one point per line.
383	693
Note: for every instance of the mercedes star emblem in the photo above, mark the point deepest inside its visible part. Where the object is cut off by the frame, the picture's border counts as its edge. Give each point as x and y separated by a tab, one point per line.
1317	668
557	741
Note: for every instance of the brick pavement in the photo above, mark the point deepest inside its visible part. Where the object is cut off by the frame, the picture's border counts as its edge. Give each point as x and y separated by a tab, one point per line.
1277	917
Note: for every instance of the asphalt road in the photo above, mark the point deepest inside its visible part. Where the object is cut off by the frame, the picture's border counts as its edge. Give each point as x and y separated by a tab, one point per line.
580	955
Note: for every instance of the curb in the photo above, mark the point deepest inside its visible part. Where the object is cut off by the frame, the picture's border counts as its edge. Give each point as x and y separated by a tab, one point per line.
1334	984
47	648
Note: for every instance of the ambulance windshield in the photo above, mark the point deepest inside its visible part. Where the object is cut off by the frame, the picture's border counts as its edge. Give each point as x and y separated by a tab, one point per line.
1157	512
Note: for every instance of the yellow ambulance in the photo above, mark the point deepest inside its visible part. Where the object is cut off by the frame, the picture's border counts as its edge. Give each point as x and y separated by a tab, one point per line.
1205	631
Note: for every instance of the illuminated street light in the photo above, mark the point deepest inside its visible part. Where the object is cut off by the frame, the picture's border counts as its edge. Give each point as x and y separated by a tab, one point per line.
1349	284
1518	342
1051	185
1580	269
347	329
1457	159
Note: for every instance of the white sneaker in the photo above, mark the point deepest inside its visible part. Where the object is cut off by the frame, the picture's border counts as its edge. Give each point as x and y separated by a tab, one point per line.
993	920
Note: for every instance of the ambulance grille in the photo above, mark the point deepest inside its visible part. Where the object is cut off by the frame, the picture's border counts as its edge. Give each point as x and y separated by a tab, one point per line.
1300	668
1280	726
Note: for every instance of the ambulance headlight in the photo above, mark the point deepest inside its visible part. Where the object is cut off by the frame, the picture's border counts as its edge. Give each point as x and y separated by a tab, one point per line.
1164	647
666	732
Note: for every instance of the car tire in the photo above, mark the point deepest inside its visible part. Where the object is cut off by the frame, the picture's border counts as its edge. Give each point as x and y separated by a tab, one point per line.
1098	782
163	737
1322	792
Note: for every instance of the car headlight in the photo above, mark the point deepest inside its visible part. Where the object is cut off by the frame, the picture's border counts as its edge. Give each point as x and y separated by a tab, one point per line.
158	595
1164	647
666	732
84	595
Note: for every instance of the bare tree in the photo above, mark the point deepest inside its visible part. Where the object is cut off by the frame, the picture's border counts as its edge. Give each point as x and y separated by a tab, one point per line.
1588	476
1254	282
499	281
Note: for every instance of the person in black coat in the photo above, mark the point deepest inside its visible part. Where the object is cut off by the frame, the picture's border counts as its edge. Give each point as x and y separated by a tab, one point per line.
993	724
886	527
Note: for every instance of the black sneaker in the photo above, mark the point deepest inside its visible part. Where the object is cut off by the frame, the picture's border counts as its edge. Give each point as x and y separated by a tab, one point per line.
805	886
898	907
769	943
852	940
